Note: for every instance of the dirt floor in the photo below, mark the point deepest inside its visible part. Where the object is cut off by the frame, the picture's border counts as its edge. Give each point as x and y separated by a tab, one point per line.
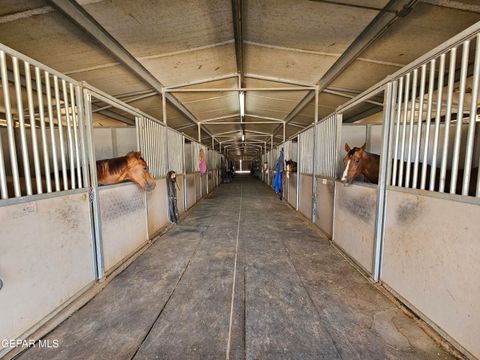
243	276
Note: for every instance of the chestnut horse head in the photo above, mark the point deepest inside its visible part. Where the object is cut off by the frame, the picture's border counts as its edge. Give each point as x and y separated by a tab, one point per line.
130	167
358	161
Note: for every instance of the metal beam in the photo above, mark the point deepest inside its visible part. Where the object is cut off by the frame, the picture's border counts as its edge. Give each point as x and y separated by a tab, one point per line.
238	35
394	10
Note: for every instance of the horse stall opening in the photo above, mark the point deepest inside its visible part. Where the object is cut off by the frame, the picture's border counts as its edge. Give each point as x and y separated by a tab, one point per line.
356	203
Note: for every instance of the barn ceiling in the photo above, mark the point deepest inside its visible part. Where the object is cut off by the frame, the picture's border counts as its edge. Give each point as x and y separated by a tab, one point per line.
344	46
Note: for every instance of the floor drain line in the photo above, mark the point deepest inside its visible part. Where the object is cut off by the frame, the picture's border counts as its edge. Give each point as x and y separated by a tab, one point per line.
234	277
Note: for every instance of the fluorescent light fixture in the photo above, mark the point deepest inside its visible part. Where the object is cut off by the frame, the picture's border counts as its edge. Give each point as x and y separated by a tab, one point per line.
242	103
243	137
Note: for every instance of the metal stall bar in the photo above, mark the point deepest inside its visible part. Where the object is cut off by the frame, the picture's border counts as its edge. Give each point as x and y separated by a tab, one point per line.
21	124
458	127
438	114
83	136
69	135
3	176
52	131
10	127
472	124
43	130
397	131
426	143
404	129
448	116
419	126
74	108
60	132
388	116
314	168
94	194
33	129
411	127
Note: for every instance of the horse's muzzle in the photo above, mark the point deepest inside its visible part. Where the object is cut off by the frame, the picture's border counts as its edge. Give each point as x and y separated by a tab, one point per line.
150	186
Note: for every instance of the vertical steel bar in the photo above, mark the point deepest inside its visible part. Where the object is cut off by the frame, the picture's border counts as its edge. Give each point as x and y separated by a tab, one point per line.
426	144
21	121
6	99
419	126
382	181
314	158
448	116
69	134
411	127
404	130
33	129
81	120
472	124
438	114
74	107
46	160
10	126
60	132
52	131
459	124
397	131
99	258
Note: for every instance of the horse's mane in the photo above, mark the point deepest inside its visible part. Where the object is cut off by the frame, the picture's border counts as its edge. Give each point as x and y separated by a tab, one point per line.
111	166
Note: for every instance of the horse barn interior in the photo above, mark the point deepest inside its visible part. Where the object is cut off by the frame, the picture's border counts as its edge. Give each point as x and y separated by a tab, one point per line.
146	209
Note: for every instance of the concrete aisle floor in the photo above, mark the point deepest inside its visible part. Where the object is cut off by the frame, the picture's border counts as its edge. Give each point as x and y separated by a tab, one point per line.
294	296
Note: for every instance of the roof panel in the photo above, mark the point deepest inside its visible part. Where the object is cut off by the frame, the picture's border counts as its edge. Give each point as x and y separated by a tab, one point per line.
191	66
146	27
308	25
300	66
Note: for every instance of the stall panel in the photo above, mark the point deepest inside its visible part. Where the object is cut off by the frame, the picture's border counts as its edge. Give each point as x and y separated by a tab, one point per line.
124	223
46	254
431	252
211	182
198	186
354	221
191	191
292	189
305	196
180	194
324	211
157	202
204	184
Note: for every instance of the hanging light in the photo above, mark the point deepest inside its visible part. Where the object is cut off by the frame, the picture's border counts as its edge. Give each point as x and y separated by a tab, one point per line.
242	103
243	137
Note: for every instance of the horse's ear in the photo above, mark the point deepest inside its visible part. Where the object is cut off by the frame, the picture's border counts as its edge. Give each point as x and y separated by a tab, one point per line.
347	148
364	146
135	154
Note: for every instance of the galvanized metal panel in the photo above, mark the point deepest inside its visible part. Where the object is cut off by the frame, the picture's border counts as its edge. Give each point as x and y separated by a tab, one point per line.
306	152
292	189
430	258
354	221
325	202
191	191
305	196
211	182
204	184
45	245
198	186
124	222
157	207
180	194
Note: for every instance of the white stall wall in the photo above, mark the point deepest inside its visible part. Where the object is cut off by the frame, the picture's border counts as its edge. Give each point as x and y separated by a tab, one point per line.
175	151
431	252
157	207
46	254
354	221
114	142
124	222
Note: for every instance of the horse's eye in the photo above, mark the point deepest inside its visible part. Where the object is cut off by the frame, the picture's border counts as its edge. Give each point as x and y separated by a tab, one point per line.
357	161
145	168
